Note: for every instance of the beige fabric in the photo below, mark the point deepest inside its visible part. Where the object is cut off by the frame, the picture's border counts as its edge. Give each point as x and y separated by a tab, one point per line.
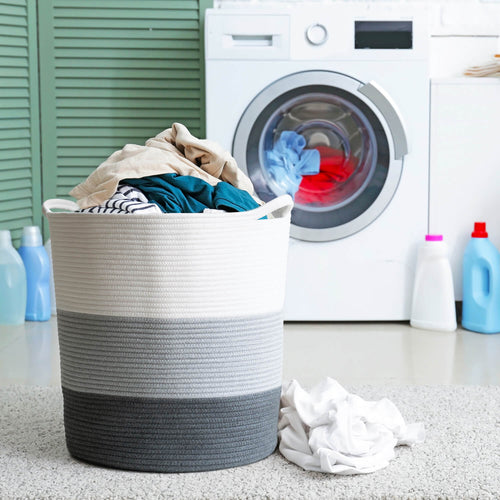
208	155
174	150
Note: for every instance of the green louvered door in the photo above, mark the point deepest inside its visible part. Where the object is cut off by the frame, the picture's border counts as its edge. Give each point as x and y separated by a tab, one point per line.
20	191
81	78
114	72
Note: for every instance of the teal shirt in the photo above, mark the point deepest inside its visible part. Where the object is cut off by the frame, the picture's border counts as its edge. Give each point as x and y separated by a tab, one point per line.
175	193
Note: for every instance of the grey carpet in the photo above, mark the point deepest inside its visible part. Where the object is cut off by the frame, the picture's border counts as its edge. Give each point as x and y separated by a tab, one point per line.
460	458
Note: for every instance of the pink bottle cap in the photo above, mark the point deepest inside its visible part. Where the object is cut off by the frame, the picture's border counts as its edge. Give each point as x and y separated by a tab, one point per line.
433	237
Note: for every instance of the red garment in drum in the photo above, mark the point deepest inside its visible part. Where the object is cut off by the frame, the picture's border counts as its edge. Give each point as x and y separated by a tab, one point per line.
334	169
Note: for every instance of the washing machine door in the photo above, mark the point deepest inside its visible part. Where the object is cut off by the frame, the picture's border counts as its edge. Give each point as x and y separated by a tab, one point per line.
359	135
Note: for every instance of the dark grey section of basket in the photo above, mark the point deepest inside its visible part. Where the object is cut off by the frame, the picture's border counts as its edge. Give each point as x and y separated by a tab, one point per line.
171	435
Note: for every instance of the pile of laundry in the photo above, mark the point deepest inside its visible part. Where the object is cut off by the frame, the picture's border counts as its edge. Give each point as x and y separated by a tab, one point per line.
307	175
327	429
173	172
491	68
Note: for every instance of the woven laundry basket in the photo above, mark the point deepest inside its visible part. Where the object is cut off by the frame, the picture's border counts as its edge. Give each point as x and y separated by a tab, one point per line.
170	331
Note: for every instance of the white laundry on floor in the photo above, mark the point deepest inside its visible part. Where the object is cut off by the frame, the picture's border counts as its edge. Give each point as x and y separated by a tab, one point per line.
330	430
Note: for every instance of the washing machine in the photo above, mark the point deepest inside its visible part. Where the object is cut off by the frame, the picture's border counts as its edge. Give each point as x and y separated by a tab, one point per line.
350	80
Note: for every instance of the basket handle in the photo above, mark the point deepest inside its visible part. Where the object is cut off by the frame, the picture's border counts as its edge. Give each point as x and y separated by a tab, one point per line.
277	207
68	205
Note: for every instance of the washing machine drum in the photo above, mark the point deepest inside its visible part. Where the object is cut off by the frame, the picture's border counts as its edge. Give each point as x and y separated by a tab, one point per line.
332	142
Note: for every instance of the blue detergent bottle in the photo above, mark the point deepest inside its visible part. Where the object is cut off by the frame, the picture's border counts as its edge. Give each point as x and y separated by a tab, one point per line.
481	283
37	264
12	283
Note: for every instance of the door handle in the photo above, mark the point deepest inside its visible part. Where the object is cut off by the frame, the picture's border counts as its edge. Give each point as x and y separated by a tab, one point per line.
390	112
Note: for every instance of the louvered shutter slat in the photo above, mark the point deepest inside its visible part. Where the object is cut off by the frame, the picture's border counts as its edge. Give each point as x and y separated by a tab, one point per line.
117	72
19	128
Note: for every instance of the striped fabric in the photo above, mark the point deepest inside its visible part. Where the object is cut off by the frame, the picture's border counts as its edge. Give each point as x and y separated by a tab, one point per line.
170	333
126	200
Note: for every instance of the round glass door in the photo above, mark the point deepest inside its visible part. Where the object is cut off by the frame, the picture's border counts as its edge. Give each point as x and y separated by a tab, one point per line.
314	136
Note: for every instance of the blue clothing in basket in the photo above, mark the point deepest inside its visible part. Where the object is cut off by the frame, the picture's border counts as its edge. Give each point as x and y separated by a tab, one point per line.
175	193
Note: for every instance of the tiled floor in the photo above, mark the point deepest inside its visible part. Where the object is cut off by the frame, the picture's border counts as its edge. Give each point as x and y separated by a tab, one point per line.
352	353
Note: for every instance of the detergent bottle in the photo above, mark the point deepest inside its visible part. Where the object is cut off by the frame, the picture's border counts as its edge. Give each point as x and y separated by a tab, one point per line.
12	283
433	304
481	283
37	264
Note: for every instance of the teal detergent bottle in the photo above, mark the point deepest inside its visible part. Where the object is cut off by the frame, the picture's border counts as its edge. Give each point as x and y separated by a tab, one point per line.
12	283
37	264
481	283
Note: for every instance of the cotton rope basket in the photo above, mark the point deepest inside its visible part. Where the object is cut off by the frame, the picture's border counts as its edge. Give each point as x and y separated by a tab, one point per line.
170	331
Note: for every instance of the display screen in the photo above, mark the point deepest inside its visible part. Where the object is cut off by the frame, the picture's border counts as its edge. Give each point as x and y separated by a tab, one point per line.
383	34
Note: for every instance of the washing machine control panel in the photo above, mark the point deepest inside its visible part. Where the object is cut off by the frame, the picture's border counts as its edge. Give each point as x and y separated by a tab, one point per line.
316	34
370	34
319	31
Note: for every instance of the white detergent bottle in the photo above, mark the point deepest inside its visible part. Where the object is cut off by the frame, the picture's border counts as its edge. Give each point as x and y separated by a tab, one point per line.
433	304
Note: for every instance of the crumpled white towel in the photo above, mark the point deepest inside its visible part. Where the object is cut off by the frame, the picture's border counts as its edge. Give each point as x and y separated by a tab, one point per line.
331	430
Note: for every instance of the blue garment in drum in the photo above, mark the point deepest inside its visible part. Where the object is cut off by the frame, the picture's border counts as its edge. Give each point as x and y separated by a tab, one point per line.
287	162
175	193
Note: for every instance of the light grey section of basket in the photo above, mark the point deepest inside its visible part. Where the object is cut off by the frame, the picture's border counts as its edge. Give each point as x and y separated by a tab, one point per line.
171	265
183	358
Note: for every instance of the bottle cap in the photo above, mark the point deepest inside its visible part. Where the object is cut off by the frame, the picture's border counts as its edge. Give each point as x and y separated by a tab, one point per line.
433	237
31	237
479	230
5	239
